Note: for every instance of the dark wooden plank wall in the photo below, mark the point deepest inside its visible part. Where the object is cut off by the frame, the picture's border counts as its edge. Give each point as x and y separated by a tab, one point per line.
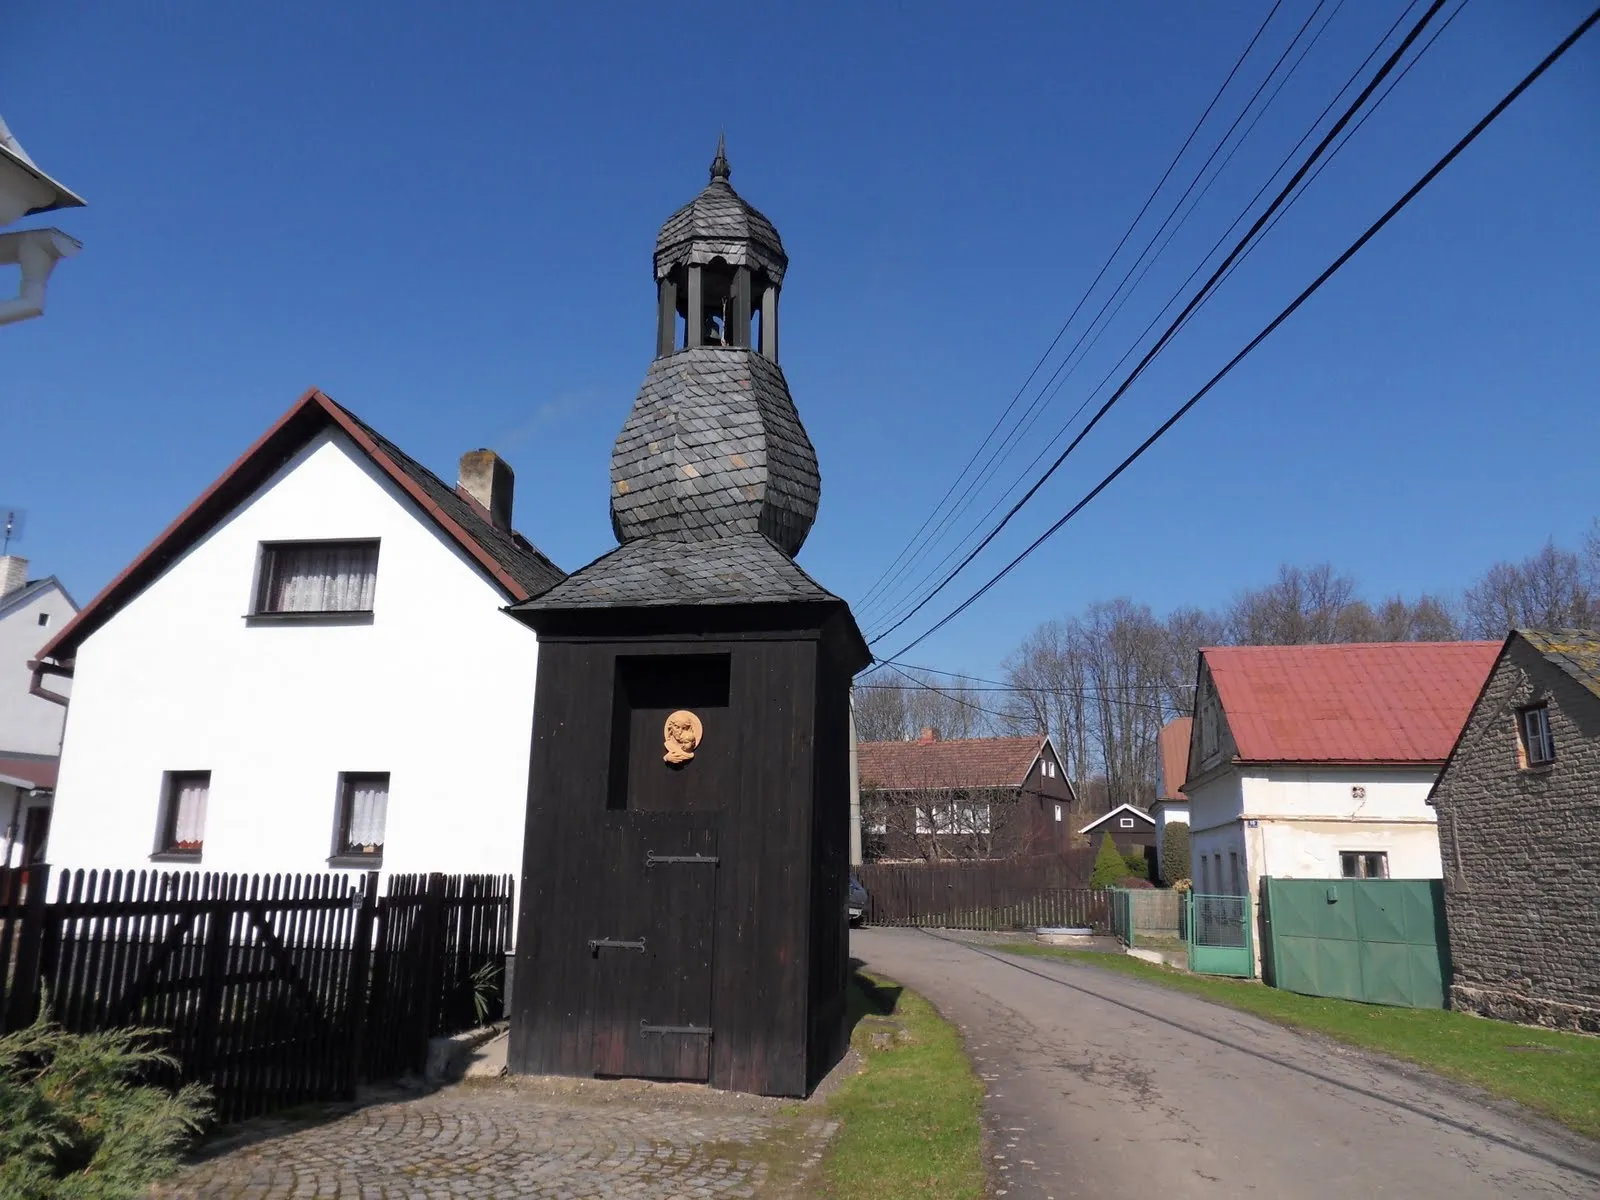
827	1033
981	895
761	983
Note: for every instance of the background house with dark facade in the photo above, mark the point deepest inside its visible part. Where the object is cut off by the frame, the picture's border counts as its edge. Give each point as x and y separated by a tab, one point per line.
1519	832
965	798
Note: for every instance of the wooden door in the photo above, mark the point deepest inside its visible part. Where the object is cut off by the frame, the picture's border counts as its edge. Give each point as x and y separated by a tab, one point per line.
650	986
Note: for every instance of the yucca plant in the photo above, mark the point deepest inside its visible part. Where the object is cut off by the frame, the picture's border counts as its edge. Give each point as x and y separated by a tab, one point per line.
77	1120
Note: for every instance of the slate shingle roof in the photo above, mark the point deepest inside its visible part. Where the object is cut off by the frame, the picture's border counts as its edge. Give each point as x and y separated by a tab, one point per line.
959	763
713	446
661	571
719	223
521	558
1575	651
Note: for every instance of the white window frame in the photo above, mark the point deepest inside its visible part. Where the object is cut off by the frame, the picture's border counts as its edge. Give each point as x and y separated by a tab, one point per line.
1125	823
1058	812
1535	737
1359	864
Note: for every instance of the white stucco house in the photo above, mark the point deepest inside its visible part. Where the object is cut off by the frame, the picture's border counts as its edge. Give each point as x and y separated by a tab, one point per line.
308	670
1315	762
32	611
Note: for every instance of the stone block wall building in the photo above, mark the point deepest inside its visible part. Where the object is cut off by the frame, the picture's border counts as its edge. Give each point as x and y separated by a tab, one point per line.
1519	831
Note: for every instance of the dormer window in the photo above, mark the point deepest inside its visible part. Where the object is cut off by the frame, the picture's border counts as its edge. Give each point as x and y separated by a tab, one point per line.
315	578
1538	744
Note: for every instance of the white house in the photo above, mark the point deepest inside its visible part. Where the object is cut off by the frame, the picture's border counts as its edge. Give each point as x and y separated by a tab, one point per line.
1171	805
1315	762
27	191
31	613
309	670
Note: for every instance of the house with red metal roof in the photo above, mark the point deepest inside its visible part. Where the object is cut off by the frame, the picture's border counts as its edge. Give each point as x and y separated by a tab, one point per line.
309	669
1315	762
966	798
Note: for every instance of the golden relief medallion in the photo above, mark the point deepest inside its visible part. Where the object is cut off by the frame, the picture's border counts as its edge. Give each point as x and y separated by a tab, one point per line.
680	736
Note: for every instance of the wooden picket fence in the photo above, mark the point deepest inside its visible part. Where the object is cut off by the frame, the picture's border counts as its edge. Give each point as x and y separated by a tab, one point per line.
272	990
996	895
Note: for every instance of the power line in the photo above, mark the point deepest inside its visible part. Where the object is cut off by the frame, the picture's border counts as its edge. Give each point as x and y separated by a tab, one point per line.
1411	193
1060	333
1177	294
1195	301
1069	364
1000	685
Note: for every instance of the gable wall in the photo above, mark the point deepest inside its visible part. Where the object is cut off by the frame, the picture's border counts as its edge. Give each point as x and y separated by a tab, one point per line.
437	690
28	724
1522	852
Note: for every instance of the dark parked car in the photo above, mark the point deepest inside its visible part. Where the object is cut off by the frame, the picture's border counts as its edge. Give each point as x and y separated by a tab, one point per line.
857	903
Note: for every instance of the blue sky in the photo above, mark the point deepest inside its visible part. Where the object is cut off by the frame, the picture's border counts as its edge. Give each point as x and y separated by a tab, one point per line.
443	215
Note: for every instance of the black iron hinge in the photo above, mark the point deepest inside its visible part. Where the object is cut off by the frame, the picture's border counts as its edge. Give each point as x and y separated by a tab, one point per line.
598	944
646	1029
652	859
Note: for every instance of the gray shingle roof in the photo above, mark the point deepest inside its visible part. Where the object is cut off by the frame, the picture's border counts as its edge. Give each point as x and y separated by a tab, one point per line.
713	446
658	572
719	223
520	557
31	589
1575	651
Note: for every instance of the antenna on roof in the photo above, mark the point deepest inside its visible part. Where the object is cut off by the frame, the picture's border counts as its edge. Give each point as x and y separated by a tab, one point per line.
14	520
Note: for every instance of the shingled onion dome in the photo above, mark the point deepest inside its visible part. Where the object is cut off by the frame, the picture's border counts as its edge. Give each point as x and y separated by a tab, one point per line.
713	446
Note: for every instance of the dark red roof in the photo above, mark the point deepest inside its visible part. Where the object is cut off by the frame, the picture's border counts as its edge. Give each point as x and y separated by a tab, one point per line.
36	772
1388	702
510	559
962	763
1174	742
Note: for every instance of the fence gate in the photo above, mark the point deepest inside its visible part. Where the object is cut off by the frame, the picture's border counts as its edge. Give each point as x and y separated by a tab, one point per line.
1219	936
1380	941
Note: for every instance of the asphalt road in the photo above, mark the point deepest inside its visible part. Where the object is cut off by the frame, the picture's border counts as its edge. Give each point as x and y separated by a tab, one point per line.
1103	1086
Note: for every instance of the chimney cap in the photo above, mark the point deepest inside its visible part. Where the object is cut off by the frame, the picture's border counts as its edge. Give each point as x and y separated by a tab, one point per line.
927	736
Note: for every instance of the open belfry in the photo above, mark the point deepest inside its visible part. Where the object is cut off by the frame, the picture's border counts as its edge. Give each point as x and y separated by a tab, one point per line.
683	892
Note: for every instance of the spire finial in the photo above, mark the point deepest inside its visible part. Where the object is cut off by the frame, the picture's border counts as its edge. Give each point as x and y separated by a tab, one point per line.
719	165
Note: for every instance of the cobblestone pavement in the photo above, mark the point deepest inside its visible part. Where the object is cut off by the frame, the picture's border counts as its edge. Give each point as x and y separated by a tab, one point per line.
504	1140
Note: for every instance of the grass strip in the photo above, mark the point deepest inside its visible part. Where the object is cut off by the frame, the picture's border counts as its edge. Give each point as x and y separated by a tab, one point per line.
1555	1074
909	1122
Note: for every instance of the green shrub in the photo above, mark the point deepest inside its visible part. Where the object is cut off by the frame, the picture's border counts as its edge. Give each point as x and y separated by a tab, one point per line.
1175	853
1109	865
1138	865
76	1123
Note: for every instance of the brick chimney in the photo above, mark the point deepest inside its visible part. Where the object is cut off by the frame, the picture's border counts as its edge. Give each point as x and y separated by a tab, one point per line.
13	573
488	479
927	737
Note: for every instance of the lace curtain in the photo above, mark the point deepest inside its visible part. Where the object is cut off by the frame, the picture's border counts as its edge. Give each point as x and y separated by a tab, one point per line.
320	577
369	808
189	812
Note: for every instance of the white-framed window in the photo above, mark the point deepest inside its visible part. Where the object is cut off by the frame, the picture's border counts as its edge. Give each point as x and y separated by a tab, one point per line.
1125	823
316	577
1047	768
964	816
363	814
1538	743
1058	812
1364	864
182	828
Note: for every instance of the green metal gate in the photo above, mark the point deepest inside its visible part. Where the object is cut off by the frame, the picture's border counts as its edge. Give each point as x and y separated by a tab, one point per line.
1219	935
1380	941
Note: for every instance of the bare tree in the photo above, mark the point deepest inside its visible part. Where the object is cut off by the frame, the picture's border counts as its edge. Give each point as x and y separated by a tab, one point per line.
1047	671
1188	631
880	711
1427	620
893	704
1553	589
1303	606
